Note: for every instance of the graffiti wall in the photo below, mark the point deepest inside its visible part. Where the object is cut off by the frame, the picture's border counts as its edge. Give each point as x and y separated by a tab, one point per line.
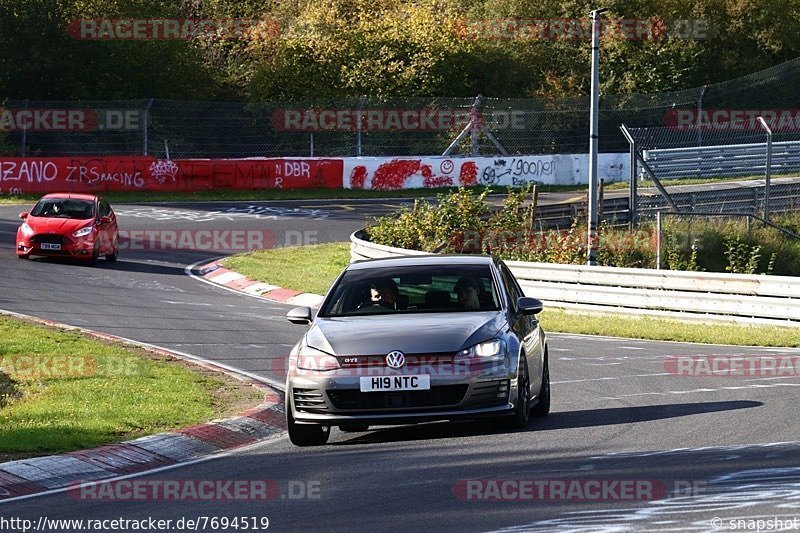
517	171
101	174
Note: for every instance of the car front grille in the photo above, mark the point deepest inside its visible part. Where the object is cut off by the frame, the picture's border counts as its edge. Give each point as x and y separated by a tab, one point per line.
309	400
355	400
47	238
488	393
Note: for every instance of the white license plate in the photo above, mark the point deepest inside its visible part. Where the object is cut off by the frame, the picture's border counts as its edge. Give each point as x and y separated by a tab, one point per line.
392	383
50	246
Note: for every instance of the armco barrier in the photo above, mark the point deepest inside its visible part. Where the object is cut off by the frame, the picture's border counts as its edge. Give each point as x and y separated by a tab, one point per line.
704	296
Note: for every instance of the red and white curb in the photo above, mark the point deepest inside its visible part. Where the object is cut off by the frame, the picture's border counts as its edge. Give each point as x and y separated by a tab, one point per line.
215	273
27	477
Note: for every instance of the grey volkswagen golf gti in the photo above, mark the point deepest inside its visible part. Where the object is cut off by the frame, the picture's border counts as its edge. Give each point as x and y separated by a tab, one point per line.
417	339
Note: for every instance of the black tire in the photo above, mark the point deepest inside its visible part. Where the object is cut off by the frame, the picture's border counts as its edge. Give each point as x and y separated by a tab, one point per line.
24	256
112	257
522	412
354	428
306	434
543	407
95	255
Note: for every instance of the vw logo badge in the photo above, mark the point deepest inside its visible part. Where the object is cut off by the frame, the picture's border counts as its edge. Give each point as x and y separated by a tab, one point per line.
395	359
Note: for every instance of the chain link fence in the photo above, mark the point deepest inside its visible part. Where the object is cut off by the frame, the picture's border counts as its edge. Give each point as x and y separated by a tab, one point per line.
371	126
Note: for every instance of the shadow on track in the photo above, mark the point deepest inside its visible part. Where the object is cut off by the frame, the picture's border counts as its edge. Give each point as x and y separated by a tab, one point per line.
563	420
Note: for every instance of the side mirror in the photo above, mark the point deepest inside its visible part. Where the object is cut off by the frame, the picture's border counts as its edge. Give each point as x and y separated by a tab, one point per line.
23	215
105	220
299	315
529	306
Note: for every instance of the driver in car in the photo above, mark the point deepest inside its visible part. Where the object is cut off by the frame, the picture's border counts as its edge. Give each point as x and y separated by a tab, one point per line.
385	293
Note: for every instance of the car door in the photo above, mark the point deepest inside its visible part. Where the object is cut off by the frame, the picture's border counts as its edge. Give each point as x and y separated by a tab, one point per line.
527	329
113	229
104	234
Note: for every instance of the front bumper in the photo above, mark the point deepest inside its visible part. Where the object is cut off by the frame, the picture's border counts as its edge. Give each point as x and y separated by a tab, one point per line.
334	397
69	247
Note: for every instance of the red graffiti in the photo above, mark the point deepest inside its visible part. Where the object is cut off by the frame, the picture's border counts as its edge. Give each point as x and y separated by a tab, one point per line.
358	176
438	181
393	175
469	174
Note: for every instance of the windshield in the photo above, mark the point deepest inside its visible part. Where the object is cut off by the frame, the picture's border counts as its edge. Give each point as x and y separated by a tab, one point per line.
64	208
413	289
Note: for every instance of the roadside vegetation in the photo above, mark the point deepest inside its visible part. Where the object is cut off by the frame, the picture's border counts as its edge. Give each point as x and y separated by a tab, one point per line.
63	390
284	267
462	222
334	48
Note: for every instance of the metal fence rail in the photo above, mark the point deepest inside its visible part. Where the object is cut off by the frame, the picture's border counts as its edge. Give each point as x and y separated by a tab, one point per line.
723	160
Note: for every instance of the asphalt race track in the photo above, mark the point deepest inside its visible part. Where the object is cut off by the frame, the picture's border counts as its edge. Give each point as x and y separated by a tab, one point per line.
702	451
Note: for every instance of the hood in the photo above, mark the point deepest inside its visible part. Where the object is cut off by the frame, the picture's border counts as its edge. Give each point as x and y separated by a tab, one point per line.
60	226
412	334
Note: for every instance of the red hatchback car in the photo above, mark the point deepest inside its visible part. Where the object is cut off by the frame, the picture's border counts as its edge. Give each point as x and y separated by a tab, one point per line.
81	226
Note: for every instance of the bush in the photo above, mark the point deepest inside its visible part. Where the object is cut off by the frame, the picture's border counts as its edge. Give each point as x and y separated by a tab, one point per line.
462	223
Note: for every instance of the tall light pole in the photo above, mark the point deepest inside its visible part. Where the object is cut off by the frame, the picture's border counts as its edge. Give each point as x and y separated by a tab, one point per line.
594	111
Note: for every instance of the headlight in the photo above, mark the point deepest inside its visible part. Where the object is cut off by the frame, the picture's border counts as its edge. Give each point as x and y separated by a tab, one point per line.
313	359
484	351
26	229
83	232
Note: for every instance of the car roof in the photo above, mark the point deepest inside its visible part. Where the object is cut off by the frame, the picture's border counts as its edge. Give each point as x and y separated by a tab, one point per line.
71	195
413	260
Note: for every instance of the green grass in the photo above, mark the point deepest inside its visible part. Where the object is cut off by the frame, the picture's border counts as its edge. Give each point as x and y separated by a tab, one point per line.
556	320
65	391
303	268
314	268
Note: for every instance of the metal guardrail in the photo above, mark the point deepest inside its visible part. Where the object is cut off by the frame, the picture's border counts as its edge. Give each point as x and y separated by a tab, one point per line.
703	296
723	160
745	198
